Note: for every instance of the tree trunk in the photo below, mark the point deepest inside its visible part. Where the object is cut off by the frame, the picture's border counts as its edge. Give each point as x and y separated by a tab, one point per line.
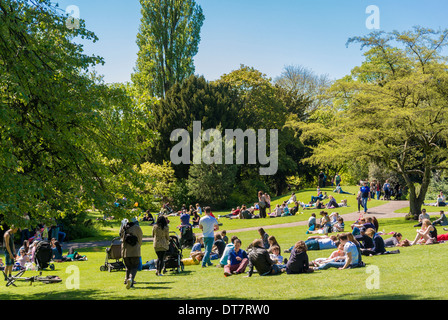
416	201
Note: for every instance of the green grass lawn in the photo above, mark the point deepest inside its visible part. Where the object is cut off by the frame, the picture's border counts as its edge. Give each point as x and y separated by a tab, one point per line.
429	209
418	272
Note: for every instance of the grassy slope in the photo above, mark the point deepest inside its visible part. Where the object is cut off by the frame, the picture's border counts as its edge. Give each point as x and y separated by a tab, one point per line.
402	276
111	227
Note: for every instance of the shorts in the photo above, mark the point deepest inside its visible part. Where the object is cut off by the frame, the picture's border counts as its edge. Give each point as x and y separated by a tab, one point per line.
8	260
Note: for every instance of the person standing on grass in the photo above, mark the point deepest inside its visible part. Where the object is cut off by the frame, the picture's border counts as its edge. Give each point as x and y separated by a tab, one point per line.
10	256
208	225
161	235
262	204
131	241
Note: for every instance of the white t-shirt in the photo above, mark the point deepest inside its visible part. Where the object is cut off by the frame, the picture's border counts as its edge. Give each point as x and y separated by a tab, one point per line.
351	247
208	223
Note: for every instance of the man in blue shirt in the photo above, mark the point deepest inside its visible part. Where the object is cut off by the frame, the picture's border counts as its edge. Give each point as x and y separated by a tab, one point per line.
365	195
208	225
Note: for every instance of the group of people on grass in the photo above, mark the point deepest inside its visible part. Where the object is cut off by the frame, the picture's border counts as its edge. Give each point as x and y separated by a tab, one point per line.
24	257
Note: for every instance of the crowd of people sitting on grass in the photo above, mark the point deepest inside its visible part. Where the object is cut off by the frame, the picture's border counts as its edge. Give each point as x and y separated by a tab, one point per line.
263	255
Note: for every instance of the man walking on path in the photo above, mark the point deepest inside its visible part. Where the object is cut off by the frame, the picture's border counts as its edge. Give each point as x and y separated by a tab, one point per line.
365	195
208	225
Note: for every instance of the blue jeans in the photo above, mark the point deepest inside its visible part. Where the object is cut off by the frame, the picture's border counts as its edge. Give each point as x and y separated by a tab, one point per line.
364	203
332	264
378	194
312	244
208	244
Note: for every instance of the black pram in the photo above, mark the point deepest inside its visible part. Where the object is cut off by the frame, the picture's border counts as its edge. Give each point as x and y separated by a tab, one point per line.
173	258
43	255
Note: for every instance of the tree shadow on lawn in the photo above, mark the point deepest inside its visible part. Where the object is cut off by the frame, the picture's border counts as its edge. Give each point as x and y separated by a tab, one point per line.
369	296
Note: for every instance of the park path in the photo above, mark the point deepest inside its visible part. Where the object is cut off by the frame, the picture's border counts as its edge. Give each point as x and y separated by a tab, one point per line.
380	212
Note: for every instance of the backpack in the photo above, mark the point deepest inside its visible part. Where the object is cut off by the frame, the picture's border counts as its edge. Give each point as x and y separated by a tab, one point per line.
130	238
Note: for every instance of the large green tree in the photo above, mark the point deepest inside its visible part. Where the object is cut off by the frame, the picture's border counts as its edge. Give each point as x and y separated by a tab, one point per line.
392	110
67	140
168	40
195	99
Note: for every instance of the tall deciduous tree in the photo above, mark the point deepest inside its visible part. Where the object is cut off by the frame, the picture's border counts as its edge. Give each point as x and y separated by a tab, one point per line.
393	109
61	146
168	40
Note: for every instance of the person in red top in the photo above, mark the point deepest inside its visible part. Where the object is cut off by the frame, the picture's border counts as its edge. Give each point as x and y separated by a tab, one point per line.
233	214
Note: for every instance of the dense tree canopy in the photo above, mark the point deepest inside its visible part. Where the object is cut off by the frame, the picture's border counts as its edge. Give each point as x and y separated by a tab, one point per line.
67	140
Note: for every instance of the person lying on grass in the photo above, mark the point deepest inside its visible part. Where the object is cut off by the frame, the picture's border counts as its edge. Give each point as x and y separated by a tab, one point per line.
319	243
378	245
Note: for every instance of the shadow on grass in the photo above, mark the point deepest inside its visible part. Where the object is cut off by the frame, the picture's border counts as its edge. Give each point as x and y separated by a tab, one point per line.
370	296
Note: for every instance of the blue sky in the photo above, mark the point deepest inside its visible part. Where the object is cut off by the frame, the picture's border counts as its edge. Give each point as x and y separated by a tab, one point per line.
267	35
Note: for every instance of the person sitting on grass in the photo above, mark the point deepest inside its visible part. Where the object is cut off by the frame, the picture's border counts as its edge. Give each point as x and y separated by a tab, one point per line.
229	248
378	245
421	217
337	255
332	203
22	259
352	256
364	240
298	261
260	260
333	217
195	218
196	251
443	221
324	225
363	222
238	260
277	212
286	211
320	197
339	225
275	256
218	248
294	210
264	238
272	243
426	235
312	225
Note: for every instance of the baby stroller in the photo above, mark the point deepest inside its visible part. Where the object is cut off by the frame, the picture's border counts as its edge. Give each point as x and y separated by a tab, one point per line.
173	258
113	253
187	237
43	255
